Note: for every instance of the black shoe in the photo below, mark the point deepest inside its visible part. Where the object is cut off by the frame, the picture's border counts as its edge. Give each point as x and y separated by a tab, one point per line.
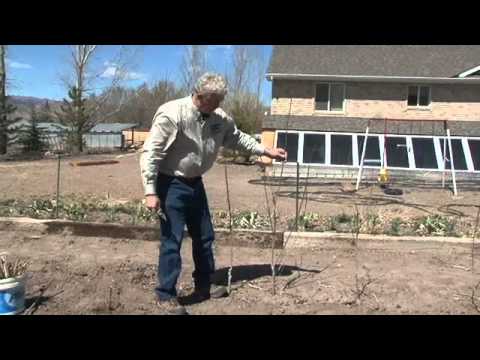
202	294
212	292
171	307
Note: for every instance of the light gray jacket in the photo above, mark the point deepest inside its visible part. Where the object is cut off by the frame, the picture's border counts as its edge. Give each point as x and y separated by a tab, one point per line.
182	143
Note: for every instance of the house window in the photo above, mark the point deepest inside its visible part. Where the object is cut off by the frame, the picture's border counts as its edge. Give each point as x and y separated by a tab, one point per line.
424	153
475	152
329	97
419	96
372	151
405	152
397	155
459	161
341	150
314	148
288	142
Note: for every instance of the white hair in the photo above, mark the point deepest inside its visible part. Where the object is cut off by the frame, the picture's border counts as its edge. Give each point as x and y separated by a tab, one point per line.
211	83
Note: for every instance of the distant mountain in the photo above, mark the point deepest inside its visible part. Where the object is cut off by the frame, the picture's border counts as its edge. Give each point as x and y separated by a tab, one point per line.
29	100
24	104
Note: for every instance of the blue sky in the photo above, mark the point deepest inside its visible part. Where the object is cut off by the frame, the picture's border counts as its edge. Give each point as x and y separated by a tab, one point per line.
35	70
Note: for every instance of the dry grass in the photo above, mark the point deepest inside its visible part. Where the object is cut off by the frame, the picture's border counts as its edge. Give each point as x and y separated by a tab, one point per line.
11	268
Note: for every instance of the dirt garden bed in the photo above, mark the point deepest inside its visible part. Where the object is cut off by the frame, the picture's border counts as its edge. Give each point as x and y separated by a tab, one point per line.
76	274
106	210
92	275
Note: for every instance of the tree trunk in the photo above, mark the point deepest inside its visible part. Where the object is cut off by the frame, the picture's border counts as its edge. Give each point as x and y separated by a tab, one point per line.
3	103
78	143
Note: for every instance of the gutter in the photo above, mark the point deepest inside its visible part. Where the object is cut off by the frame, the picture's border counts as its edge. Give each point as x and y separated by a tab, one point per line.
373	78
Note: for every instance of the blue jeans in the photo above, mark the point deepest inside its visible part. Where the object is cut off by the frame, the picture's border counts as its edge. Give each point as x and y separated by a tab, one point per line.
183	203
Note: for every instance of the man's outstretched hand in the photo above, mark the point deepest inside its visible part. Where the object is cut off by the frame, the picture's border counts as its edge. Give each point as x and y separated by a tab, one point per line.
278	154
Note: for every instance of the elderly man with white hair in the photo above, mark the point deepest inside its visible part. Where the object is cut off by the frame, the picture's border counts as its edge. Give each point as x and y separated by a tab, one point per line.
183	144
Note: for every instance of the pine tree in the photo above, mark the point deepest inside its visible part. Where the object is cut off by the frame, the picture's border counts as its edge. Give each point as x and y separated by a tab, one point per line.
31	138
7	131
77	118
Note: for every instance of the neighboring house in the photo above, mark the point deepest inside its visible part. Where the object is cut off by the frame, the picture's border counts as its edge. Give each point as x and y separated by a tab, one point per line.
108	136
102	136
52	133
323	98
136	137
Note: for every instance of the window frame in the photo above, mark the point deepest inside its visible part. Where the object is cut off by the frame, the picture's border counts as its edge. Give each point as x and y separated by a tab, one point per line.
437	153
418	106
381	143
329	109
470	153
325	146
465	148
300	145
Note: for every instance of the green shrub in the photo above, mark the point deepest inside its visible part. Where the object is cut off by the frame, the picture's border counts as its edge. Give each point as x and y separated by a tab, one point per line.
306	222
436	225
395	227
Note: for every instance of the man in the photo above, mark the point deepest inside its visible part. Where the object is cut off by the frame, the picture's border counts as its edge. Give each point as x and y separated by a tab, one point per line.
183	144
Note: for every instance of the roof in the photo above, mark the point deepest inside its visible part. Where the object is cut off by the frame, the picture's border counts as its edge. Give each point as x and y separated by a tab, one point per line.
112	128
43	126
51	127
440	61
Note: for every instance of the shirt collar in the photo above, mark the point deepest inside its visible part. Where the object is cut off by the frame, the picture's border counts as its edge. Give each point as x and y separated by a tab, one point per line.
194	109
198	115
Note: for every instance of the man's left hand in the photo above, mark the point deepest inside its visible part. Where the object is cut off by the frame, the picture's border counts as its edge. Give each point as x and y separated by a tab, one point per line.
278	154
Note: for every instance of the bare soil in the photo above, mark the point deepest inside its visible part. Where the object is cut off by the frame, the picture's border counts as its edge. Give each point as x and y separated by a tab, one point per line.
111	276
105	276
121	181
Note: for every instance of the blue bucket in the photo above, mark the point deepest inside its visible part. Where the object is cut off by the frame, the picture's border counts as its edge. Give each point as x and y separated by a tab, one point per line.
12	296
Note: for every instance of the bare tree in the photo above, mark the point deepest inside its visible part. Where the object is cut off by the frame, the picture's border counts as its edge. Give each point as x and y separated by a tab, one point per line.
240	70
140	104
194	64
258	69
259	65
245	79
81	112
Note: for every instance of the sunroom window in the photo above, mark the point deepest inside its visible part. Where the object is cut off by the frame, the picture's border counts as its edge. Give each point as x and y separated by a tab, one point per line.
424	153
341	150
288	142
475	151
397	155
372	150
459	161
314	148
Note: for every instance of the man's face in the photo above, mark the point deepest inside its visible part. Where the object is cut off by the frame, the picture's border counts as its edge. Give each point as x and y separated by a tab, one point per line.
207	103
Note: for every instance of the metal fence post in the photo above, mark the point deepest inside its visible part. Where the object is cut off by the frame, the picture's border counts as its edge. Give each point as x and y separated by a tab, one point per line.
58	188
296	197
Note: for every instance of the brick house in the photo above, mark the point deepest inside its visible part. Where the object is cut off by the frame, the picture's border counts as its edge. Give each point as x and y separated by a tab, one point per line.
323	98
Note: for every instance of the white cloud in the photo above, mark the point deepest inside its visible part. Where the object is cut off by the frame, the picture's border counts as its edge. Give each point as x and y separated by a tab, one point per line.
18	65
109	72
112	70
136	76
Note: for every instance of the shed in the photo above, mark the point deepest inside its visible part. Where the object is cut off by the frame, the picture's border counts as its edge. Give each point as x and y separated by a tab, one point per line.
108	135
53	134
